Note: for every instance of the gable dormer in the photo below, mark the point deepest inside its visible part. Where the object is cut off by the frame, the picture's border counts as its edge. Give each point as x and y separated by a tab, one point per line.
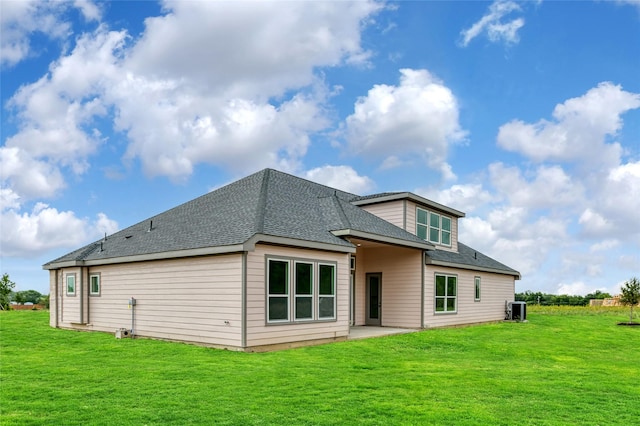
431	221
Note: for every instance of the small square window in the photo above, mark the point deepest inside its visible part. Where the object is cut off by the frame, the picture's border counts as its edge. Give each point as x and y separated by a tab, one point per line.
94	285
71	285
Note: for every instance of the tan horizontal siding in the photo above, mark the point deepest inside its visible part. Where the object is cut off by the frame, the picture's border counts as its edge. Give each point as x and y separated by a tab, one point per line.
495	290
401	285
391	211
193	299
259	332
71	304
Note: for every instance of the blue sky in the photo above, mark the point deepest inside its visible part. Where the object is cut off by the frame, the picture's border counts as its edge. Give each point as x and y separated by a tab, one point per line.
524	115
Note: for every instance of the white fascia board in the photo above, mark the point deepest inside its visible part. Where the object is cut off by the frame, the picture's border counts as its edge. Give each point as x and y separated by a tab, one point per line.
248	245
382	239
473	268
284	241
64	264
236	248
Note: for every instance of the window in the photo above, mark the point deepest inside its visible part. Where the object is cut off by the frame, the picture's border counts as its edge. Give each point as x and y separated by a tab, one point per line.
278	290
445	294
71	285
327	297
445	231
421	224
311	296
477	289
433	227
304	291
94	285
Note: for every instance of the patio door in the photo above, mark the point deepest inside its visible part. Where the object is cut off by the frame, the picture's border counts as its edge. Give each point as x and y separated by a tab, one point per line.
374	299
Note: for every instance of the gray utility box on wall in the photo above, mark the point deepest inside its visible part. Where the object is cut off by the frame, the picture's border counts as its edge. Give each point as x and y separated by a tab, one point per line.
518	311
123	333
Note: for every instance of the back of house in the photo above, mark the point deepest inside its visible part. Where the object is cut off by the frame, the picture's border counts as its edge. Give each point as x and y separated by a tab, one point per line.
275	261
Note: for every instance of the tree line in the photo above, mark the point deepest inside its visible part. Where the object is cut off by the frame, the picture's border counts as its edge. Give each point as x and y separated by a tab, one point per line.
7	295
559	299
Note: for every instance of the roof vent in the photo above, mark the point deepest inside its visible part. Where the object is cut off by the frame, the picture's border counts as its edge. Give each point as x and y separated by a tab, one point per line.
150	226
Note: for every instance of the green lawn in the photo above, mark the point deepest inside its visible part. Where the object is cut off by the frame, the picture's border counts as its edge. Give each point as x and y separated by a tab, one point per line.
565	366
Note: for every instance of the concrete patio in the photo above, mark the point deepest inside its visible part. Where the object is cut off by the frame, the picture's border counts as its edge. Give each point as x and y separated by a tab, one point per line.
367	331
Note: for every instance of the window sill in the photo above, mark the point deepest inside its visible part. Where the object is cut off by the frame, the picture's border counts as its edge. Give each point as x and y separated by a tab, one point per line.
300	322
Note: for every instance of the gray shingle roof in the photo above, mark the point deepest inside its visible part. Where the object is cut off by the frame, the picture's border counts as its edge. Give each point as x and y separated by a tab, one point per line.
266	203
471	258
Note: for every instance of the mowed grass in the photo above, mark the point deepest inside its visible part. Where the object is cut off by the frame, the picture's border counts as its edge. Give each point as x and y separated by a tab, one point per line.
564	366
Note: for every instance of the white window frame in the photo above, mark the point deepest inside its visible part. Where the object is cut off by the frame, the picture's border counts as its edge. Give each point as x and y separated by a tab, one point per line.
427	227
477	289
286	294
328	296
291	290
305	295
91	277
73	278
446	296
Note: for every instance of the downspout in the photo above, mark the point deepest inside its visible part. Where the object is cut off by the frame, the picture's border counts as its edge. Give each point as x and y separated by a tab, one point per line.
243	330
81	295
56	299
88	298
424	260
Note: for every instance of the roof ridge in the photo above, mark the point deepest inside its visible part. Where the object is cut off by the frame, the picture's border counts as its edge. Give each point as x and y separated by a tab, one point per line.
262	202
340	209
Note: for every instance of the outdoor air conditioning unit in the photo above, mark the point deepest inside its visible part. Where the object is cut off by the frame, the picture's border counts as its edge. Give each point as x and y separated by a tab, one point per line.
518	311
123	333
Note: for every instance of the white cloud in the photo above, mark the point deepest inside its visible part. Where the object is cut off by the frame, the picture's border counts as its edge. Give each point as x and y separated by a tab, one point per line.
419	116
614	205
391	162
261	50
492	23
20	19
550	186
56	116
28	177
341	177
580	131
178	131
90	11
604	245
211	104
46	228
9	199
466	198
635	3
577	288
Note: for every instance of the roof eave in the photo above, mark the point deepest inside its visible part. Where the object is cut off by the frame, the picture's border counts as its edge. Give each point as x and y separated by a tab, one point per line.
381	238
285	241
515	274
148	256
248	245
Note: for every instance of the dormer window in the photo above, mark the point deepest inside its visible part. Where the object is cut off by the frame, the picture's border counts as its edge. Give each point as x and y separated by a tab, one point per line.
433	227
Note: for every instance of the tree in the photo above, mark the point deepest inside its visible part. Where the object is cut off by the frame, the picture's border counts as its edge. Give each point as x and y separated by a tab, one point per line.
631	295
598	295
25	296
44	300
6	285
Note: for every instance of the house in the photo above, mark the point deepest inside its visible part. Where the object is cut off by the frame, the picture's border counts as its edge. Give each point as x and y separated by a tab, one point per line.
273	261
